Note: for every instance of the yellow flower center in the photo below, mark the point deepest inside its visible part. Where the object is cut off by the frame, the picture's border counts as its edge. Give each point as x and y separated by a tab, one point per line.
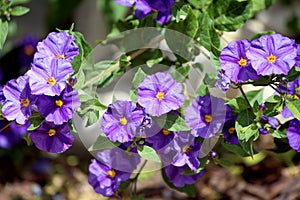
208	118
242	62
25	102
166	132
160	95
111	173
60	56
231	130
29	50
123	121
187	149
272	58
51	132
59	103
296	96
51	81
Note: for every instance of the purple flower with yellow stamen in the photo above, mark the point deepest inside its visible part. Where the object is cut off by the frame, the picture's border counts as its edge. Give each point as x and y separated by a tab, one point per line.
236	65
206	115
179	178
18	100
59	109
146	7
111	168
229	131
52	138
159	94
56	46
49	77
274	54
121	121
28	49
293	134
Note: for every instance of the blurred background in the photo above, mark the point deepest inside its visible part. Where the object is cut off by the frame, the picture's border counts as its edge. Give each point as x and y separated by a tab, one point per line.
27	173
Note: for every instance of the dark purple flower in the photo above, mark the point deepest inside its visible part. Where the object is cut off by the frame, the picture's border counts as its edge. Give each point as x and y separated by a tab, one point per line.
263	131
274	54
52	138
59	109
298	56
229	131
18	100
236	65
293	134
178	178
121	121
160	139
223	82
271	121
111	168
28	48
11	134
206	115
49	76
56	46
159	94
2	97
146	7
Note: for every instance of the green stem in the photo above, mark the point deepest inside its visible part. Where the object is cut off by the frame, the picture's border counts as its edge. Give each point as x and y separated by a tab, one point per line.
245	97
137	176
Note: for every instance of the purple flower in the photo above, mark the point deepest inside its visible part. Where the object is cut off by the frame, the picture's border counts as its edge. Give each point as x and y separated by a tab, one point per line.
52	138
291	88
56	46
28	48
159	137
293	134
235	63
11	134
159	94
18	100
2	97
229	131
121	120
298	55
178	178
206	115
146	7
274	54
223	82
263	131
59	109
49	76
111	169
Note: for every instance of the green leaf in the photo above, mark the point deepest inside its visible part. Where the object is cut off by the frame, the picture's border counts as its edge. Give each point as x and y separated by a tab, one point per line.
103	142
15	2
80	77
188	189
139	76
172	122
293	74
139	197
19	11
3	32
278	134
238	104
294	107
85	50
224	162
202	90
180	74
209	38
148	153
35	122
210	79
237	149
255	95
156	58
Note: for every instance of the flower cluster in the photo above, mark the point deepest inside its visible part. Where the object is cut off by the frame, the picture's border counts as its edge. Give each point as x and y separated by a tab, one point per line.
43	90
245	60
